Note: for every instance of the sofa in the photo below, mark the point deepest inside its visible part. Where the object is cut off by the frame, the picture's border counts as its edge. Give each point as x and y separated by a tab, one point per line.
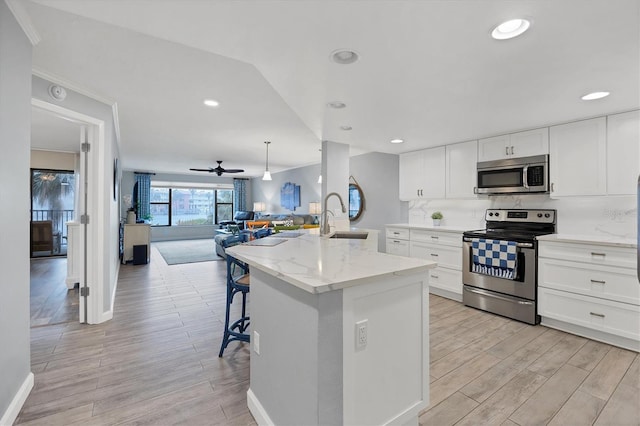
288	219
277	221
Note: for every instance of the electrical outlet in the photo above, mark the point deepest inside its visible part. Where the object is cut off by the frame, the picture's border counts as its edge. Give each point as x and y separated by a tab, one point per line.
361	333
256	342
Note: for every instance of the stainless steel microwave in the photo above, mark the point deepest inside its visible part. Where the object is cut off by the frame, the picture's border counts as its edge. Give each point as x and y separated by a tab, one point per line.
514	176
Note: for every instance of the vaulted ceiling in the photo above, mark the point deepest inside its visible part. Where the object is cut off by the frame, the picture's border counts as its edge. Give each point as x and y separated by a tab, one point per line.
428	72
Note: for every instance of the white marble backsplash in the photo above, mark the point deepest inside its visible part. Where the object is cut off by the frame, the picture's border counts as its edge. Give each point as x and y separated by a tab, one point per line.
614	216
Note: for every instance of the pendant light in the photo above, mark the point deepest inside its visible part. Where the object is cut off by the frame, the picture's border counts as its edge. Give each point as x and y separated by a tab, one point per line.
267	173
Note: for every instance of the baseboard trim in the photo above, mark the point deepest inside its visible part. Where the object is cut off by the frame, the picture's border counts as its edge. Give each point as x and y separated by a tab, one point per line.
257	410
20	397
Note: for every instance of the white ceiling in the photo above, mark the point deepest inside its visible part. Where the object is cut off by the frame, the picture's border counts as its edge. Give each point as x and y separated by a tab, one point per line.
428	72
50	132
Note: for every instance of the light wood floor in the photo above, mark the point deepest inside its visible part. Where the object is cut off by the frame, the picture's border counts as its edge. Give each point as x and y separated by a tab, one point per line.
51	302
156	363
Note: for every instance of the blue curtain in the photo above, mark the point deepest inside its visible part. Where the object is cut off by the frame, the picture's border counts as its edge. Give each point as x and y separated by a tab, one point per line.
143	209
240	194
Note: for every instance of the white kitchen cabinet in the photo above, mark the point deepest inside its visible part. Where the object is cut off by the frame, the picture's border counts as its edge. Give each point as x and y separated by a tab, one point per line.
514	145
134	235
422	174
578	158
623	142
461	161
397	241
446	249
590	289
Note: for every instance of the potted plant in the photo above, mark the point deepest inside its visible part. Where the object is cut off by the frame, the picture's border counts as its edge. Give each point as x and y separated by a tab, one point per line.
437	217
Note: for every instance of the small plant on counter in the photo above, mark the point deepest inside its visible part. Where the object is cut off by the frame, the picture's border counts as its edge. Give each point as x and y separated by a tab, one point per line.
436	216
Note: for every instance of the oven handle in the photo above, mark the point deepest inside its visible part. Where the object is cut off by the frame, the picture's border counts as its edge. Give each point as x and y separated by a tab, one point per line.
522	245
495	296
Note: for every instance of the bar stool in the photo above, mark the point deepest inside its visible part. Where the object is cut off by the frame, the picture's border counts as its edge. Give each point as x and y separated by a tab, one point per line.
237	282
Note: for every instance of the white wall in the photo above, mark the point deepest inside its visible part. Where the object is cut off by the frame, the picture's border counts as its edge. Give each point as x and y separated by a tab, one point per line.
15	135
269	191
41	159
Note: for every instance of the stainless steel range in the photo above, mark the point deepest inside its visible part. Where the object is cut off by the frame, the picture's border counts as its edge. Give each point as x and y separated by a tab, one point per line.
499	263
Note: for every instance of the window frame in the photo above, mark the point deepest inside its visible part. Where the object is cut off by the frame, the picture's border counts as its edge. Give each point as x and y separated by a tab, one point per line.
169	204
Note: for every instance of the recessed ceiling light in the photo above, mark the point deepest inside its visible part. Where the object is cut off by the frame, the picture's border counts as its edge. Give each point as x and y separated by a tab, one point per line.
594	96
211	102
336	104
510	29
397	140
344	56
346	127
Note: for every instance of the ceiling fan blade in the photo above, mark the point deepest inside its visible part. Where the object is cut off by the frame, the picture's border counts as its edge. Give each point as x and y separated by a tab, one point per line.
202	170
233	170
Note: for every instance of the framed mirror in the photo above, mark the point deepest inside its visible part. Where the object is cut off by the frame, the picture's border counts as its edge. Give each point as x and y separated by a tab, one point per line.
356	202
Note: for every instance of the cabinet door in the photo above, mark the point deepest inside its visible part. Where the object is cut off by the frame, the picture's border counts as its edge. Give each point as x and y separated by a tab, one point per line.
494	148
577	160
623	139
433	175
531	142
411	168
462	159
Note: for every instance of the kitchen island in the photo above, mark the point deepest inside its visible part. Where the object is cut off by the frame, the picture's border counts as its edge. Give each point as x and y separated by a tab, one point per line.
339	332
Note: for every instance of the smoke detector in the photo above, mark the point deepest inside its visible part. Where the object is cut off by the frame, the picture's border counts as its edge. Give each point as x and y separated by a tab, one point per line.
57	92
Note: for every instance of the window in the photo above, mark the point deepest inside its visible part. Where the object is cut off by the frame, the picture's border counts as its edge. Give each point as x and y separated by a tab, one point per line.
190	206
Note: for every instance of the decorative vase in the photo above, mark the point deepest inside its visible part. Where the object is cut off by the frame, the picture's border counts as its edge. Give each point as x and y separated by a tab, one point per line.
436	222
131	217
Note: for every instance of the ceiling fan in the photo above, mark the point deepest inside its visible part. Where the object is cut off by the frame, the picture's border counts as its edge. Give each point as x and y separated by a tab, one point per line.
218	170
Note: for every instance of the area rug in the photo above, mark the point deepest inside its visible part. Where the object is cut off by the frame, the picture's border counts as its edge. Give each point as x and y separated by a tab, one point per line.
187	251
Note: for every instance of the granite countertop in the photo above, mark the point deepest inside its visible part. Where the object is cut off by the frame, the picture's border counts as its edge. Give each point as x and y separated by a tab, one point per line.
607	240
443	228
318	264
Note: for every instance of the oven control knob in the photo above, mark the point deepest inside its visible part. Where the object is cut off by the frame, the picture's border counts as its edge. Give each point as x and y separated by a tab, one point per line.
497	214
490	213
539	214
547	215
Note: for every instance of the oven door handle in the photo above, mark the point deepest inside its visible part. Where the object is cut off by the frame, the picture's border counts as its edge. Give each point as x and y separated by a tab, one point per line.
521	245
495	296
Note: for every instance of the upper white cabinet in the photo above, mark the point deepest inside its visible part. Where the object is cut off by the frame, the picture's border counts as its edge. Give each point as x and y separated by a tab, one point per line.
521	144
623	140
461	169
577	160
422	174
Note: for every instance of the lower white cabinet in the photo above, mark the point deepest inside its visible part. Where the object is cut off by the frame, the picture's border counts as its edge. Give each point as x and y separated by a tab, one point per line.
443	247
134	235
590	289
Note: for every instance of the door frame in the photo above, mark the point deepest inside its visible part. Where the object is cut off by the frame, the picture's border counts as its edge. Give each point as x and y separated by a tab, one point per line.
91	174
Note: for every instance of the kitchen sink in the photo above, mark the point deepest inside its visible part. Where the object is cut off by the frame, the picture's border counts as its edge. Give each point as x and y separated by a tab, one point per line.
350	235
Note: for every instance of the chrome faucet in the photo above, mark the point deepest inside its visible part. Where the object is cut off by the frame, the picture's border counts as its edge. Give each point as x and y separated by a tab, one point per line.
324	228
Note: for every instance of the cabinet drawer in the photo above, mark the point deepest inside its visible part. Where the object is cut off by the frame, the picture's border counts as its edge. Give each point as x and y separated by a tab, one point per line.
397	233
589	253
453	239
615	318
398	247
446	279
448	257
619	284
